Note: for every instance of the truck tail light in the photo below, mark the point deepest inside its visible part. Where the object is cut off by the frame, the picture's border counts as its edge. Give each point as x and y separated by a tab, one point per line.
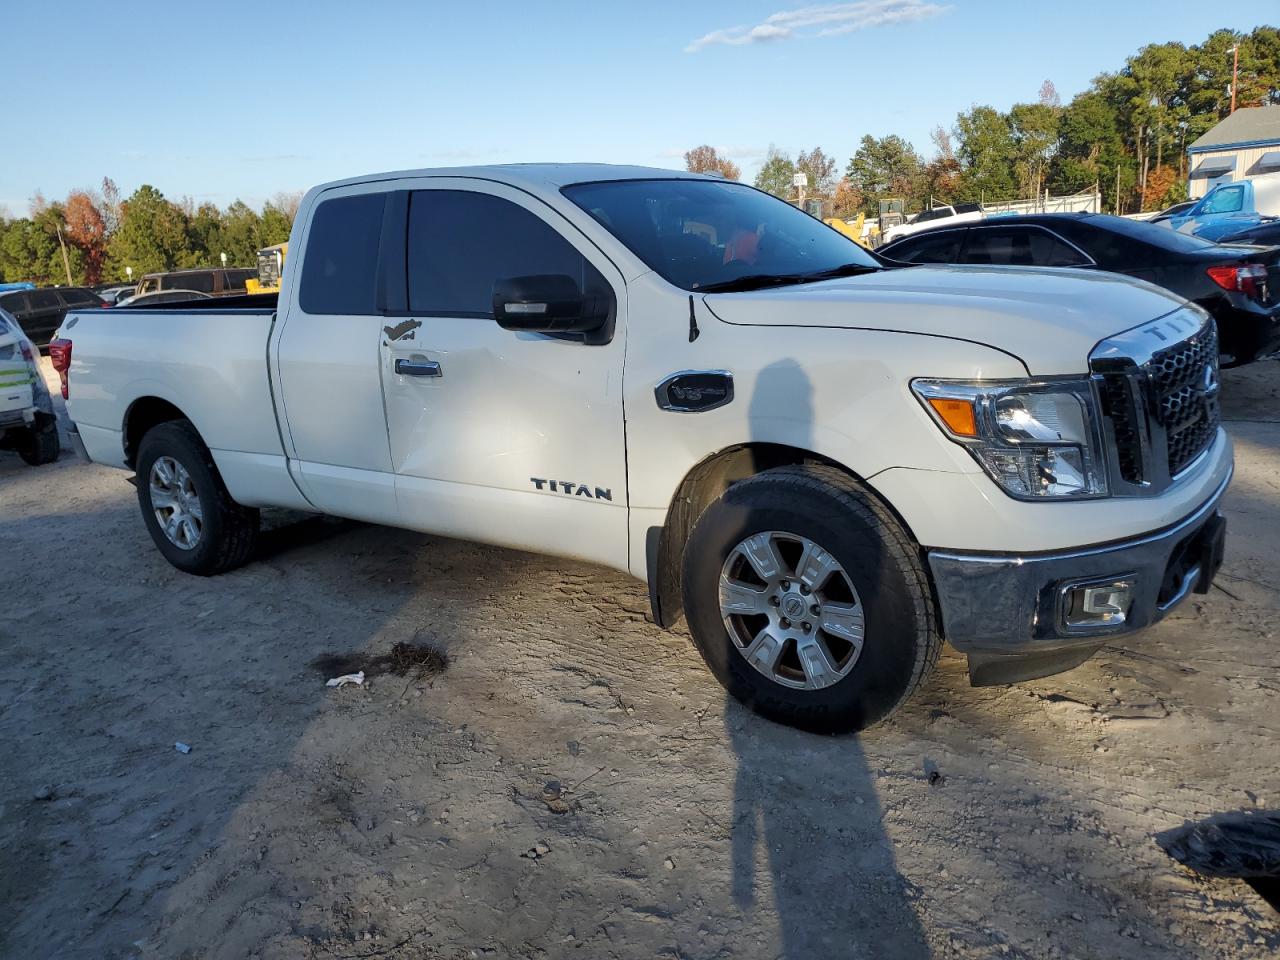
60	354
1244	277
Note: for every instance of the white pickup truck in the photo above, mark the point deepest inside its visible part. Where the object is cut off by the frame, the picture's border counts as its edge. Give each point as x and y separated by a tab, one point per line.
827	466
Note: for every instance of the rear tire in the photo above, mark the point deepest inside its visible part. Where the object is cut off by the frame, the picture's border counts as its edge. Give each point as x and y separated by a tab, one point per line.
185	505
41	444
877	586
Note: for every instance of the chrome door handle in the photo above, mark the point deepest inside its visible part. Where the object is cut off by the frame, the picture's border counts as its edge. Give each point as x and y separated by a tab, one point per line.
418	368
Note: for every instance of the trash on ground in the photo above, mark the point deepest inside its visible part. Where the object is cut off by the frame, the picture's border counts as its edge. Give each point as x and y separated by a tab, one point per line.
536	851
182	747
1243	845
342	681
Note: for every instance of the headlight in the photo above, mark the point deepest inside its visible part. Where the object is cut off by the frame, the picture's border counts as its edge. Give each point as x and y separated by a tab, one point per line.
1036	438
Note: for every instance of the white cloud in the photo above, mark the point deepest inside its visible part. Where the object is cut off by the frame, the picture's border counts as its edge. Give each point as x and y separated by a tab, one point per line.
822	20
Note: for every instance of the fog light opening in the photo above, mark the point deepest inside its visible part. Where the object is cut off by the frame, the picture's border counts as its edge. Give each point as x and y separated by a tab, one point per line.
1097	603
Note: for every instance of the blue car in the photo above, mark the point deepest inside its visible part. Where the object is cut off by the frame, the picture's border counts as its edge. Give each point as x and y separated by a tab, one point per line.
1231	208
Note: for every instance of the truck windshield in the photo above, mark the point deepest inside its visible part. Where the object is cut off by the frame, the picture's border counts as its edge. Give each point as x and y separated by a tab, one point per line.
708	235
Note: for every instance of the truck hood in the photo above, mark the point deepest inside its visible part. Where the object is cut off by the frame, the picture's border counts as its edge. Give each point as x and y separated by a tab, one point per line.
1049	318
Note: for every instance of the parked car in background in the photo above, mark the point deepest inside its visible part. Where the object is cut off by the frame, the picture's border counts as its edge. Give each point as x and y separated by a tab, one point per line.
17	285
215	281
40	311
1239	286
1265	234
960	213
1230	208
113	295
1170	212
1042	453
28	424
163	296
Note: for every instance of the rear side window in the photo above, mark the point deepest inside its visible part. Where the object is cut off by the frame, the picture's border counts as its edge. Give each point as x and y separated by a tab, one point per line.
460	243
1020	246
339	266
80	298
201	280
16	303
44	300
929	248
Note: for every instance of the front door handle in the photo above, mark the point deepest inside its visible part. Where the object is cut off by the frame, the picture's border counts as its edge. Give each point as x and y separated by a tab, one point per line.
418	368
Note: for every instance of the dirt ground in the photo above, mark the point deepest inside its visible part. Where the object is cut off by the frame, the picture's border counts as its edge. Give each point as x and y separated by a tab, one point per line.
413	818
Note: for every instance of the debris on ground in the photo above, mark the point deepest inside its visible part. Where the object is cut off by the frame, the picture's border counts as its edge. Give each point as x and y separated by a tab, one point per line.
536	851
935	776
418	661
45	794
182	747
356	678
1243	845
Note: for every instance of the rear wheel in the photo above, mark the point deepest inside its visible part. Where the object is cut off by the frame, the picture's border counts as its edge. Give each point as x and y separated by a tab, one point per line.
185	505
40	445
808	600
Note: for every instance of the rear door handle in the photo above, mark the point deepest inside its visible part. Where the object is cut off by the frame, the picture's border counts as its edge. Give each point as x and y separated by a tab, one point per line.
418	368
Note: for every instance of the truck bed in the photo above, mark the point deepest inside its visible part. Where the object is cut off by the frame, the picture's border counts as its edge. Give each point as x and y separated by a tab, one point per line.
252	302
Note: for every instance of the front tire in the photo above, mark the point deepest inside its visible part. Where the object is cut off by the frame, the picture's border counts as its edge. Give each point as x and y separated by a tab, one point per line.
809	601
185	505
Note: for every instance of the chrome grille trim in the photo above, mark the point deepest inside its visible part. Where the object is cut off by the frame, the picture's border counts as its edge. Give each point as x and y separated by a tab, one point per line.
1157	388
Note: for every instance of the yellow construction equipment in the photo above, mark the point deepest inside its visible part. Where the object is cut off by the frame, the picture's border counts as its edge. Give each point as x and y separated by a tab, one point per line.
850	228
270	267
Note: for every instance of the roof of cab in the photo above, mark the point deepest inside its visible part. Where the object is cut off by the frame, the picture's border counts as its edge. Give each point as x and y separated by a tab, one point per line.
536	175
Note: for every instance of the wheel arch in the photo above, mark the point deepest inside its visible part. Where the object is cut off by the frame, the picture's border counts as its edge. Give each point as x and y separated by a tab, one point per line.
140	416
704	483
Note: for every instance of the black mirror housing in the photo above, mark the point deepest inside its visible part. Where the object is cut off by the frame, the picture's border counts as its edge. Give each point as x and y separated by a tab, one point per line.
548	303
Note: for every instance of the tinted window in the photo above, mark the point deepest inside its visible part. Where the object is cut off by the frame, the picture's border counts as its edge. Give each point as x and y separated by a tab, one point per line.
339	266
44	300
941	247
15	303
236	278
200	280
1222	200
80	298
1025	246
695	233
460	243
934	214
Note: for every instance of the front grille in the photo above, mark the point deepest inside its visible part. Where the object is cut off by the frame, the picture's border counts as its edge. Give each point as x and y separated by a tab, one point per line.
1161	407
1184	384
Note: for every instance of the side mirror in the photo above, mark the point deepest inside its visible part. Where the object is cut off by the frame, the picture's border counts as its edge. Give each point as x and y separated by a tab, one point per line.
547	303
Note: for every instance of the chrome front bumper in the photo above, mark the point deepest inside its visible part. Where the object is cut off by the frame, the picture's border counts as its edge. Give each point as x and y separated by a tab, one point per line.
1007	612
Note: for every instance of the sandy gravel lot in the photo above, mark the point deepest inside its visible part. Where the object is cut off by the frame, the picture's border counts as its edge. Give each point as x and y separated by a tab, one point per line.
413	819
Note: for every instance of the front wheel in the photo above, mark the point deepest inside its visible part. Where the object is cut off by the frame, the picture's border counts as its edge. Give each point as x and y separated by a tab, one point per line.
808	600
185	505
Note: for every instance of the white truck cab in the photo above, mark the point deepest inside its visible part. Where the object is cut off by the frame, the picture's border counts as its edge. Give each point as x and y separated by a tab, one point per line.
825	465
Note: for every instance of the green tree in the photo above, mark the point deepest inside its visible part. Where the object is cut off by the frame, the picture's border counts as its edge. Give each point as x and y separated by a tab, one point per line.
820	169
883	168
152	235
776	173
987	153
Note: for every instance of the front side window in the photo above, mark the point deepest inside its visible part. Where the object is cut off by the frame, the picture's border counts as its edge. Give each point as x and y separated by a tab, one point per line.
339	268
943	247
461	242
1222	200
705	233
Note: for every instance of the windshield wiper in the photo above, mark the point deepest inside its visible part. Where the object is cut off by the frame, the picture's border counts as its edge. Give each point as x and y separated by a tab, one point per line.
760	281
844	270
752	281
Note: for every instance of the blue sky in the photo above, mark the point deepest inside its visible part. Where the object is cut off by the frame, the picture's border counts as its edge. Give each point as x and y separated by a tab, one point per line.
219	101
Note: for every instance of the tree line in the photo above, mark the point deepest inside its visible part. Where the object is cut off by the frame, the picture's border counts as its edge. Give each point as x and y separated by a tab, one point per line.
1127	135
95	235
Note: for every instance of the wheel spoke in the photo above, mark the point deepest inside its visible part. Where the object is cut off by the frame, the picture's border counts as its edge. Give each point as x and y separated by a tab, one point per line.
162	499
818	669
161	471
194	509
844	620
190	532
171	525
741	599
764	651
763	557
815	566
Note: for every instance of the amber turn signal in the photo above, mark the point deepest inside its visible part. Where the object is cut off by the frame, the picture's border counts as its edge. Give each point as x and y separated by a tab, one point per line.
956	414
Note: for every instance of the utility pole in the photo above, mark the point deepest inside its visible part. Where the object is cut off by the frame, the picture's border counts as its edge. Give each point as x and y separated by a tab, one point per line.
66	264
1235	72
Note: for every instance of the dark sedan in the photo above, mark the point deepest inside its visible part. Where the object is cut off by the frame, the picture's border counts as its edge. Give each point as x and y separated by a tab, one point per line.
40	312
1239	285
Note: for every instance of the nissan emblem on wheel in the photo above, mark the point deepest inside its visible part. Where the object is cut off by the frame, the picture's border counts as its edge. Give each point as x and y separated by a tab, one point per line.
825	462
